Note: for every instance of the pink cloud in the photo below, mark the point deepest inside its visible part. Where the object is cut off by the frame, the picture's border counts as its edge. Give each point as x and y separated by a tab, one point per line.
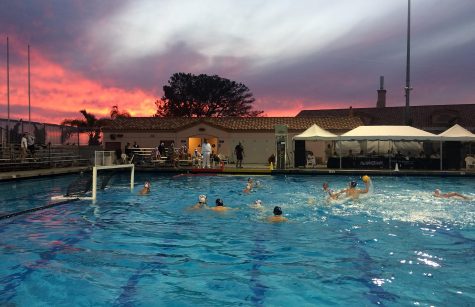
57	93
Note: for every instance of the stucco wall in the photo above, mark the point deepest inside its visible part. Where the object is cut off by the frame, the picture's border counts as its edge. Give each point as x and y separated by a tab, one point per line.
258	146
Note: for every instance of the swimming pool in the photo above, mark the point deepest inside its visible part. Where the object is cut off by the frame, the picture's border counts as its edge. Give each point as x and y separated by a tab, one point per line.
399	246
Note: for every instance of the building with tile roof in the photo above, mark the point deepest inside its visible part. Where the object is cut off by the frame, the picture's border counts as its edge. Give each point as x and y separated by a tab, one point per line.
257	134
432	118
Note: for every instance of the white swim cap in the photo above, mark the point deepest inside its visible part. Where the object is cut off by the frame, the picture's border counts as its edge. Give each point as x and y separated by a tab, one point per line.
202	198
258	202
147	184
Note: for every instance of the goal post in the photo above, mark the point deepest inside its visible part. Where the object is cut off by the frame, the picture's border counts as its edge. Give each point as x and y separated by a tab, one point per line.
104	160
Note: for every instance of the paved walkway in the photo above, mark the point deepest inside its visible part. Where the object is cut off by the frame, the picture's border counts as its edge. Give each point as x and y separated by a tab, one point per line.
13	175
247	169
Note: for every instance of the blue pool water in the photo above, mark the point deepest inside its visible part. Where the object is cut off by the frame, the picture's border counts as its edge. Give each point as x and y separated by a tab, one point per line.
397	247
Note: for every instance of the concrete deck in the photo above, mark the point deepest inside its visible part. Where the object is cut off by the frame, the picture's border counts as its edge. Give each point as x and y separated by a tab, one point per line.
258	169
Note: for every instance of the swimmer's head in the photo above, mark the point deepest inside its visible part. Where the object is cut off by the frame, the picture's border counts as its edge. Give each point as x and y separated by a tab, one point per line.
325	186
219	202
147	185
436	191
258	202
353	184
202	199
249	179
277	210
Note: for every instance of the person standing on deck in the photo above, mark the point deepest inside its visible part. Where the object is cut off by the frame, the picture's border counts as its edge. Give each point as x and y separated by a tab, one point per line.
239	151
206	153
23	147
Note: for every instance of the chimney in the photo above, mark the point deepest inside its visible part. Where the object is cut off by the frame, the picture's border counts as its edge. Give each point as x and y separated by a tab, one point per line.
381	103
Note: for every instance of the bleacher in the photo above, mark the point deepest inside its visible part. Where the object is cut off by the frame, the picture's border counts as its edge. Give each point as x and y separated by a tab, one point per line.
49	156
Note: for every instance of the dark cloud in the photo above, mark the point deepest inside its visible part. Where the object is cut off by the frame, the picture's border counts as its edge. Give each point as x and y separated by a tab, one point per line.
344	72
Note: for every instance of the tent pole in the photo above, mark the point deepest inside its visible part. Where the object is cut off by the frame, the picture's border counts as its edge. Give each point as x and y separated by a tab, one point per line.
340	151
440	155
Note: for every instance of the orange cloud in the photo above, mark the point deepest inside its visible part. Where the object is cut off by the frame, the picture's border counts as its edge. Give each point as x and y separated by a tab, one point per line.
57	93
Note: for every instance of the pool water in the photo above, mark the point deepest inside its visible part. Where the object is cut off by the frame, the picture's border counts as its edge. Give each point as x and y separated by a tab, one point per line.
397	246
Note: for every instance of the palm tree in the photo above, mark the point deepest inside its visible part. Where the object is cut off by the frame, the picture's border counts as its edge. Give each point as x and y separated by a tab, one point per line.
90	124
115	113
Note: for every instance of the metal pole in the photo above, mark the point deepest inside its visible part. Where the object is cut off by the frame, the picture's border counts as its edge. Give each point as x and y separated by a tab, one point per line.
408	88
8	93
132	177
94	182
340	152
440	155
29	96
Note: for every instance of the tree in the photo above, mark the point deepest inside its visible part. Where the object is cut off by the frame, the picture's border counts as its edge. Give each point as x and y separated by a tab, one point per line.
90	124
187	95
115	113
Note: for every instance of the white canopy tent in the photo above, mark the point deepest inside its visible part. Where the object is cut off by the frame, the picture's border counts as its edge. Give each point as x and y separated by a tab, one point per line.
387	133
457	133
315	133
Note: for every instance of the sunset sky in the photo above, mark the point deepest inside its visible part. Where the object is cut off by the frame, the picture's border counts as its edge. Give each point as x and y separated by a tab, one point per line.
293	55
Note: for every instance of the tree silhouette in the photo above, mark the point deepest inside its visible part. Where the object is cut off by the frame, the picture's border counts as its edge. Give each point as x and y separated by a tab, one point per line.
90	124
187	95
115	113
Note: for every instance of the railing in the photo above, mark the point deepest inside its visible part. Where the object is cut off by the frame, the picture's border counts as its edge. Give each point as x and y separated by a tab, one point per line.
48	156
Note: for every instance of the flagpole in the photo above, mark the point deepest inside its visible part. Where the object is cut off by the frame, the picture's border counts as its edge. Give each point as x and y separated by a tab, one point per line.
29	96
407	89
8	93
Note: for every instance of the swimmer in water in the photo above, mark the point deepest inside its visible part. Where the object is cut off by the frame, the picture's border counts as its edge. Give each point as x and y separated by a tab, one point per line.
257	205
353	192
438	193
220	206
146	188
201	202
331	193
277	217
249	185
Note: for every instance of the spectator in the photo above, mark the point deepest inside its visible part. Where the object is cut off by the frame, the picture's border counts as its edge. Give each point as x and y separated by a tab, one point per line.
161	148
206	153
127	149
23	147
239	151
30	139
271	159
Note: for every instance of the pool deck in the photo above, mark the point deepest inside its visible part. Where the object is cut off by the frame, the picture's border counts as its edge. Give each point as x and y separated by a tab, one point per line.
248	169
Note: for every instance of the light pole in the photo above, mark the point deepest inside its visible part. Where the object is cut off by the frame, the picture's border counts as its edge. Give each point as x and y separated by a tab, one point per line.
408	88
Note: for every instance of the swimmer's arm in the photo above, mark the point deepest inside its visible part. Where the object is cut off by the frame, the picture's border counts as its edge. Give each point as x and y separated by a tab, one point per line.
366	188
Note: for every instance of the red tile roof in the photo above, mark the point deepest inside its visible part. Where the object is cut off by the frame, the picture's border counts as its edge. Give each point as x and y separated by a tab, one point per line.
432	117
343	123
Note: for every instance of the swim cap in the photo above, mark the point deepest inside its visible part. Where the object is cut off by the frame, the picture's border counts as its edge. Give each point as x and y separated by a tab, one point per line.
325	185
249	179
365	178
353	184
219	202
277	210
258	202
202	198
147	185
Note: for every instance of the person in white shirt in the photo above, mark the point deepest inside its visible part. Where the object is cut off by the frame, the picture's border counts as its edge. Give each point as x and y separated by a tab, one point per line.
206	152
23	147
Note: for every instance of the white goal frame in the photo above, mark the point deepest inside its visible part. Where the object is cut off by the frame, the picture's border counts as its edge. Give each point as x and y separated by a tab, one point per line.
103	160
